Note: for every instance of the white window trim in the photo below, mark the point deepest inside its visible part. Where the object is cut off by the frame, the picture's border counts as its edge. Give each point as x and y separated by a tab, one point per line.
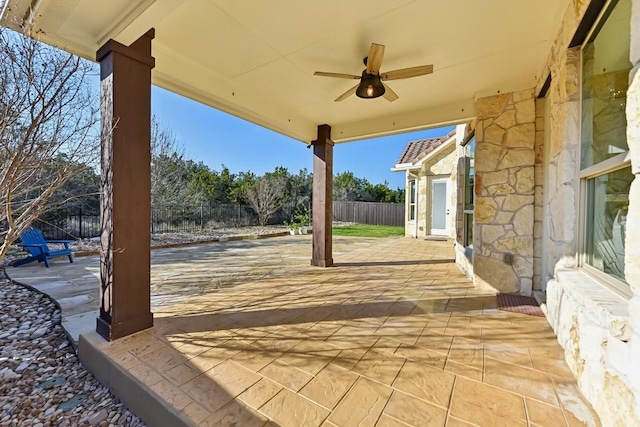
611	164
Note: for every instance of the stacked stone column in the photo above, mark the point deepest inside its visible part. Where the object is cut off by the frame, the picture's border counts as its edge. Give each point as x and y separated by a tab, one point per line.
504	192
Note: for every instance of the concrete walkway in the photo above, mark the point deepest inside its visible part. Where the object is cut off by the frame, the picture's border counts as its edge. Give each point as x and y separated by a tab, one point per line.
394	335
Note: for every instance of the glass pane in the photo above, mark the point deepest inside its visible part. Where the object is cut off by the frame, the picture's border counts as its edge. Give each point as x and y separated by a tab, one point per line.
412	190
605	75
469	153
439	206
468	230
412	200
607	207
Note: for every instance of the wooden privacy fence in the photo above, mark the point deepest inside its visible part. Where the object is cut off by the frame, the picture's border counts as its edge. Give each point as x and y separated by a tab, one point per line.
369	212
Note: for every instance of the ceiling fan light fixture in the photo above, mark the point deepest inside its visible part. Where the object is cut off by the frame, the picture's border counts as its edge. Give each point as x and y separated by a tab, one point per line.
370	86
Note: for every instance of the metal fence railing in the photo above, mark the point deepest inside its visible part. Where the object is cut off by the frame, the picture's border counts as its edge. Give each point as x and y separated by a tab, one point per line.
85	223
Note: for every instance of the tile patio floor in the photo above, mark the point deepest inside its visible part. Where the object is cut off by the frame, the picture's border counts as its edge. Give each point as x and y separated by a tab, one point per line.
394	335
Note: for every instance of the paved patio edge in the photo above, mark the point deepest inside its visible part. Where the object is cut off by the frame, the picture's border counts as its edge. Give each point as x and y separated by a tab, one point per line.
140	399
199	242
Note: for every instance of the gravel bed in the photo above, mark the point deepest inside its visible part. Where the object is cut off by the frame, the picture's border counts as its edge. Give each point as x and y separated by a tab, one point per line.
42	382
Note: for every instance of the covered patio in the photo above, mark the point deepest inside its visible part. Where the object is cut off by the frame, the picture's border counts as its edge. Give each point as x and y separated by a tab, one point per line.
548	95
394	335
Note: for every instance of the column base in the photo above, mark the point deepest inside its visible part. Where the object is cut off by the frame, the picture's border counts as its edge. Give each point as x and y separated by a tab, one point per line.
322	262
112	332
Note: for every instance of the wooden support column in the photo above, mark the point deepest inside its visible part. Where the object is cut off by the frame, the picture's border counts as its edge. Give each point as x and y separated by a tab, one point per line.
322	198
125	256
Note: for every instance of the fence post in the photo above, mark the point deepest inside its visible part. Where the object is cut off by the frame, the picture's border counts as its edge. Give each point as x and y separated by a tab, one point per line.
201	217
80	223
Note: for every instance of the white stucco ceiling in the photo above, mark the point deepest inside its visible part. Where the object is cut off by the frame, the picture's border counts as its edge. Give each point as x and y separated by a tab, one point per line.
255	59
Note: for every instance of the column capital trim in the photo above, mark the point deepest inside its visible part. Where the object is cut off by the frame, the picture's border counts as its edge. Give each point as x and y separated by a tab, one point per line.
324	136
139	51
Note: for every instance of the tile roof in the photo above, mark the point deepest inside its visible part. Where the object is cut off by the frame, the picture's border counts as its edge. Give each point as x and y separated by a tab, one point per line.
415	150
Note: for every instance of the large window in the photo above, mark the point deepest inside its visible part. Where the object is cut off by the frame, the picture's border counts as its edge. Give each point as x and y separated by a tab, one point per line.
469	179
604	158
412	200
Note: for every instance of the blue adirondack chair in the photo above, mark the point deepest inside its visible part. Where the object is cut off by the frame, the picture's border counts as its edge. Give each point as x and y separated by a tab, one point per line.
33	242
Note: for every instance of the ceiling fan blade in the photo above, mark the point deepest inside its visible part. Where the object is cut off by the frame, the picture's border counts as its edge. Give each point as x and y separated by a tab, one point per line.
405	73
337	75
374	60
389	94
347	94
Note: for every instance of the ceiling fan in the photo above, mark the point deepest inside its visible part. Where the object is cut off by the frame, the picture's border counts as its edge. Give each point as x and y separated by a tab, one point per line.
371	85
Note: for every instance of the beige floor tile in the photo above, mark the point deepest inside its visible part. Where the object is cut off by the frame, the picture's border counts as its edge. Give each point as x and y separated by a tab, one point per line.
406	329
552	363
384	300
234	413
260	393
146	374
387	345
463	370
255	358
180	374
164	358
425	382
213	357
126	360
137	344
577	410
422	355
195	412
172	394
415	412
456	422
467	352
219	385
286	375
379	366
544	415
310	355
289	409
362	405
525	381
347	359
487	405
329	386
387	421
233	377
210	395
509	352
435	341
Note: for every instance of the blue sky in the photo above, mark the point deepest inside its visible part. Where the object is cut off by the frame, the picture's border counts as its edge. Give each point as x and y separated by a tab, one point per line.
217	138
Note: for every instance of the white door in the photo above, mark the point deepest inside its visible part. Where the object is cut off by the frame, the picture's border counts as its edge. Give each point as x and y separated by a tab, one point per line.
440	207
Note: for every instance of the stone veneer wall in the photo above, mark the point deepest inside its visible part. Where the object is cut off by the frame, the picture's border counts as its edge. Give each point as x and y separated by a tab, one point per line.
538	196
504	191
599	330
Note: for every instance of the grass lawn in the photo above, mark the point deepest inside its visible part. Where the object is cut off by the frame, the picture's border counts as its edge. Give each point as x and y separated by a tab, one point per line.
364	230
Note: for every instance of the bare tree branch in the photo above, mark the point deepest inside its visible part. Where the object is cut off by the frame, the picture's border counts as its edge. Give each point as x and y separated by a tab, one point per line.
265	196
48	117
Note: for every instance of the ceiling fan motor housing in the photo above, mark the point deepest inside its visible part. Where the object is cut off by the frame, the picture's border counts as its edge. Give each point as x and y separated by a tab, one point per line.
370	86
